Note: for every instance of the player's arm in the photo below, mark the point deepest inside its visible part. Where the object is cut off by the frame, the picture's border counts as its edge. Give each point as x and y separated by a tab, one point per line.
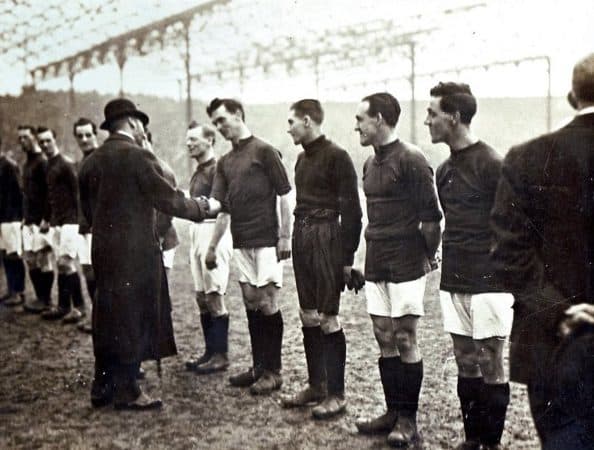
221	225
283	247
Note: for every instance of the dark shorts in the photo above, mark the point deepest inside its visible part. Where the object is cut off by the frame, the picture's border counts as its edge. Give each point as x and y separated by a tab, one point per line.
317	263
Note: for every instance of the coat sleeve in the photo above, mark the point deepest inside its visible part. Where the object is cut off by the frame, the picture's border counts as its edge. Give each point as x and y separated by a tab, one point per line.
162	195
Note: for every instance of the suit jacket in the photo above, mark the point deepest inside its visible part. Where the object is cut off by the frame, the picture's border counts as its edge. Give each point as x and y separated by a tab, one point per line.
121	185
544	251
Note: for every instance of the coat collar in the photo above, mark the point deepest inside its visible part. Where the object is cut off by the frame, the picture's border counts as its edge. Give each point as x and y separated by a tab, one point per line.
121	137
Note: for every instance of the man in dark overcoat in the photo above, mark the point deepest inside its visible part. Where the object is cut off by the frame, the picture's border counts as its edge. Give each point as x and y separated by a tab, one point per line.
543	220
121	186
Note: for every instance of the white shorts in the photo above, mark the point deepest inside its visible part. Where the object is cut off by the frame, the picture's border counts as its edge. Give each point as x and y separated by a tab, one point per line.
67	240
205	280
84	253
479	316
11	237
387	299
168	257
259	266
34	240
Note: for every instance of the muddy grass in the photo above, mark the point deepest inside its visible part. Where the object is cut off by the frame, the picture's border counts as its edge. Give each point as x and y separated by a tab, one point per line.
46	371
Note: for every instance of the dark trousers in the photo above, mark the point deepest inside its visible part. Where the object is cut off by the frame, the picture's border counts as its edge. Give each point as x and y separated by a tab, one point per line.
317	263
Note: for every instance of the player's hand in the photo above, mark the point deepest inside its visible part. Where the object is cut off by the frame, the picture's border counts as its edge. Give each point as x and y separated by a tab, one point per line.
577	315
211	259
44	226
283	249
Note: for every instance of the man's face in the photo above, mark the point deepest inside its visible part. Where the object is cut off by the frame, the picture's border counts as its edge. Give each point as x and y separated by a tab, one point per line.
47	142
366	126
85	138
26	140
439	122
197	144
297	128
227	123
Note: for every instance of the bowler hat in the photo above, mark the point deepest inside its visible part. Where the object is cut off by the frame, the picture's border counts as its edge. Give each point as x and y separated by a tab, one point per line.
121	107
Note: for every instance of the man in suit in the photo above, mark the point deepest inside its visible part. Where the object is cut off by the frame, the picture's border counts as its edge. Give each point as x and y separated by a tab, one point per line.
121	185
543	220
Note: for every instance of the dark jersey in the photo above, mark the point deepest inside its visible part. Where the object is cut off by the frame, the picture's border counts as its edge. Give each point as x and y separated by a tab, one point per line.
11	196
398	184
466	184
34	188
248	180
326	181
62	185
203	179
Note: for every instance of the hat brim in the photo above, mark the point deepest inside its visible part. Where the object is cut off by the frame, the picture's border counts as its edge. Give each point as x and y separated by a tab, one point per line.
138	114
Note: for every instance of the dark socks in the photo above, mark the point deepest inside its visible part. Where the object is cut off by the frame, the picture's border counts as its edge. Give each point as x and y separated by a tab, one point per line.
409	388
495	398
389	369
272	335
218	334
15	274
76	291
206	321
256	335
46	280
335	351
314	355
35	276
470	394
63	292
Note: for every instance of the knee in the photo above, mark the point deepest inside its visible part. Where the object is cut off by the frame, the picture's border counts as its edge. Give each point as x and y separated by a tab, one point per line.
215	304
309	317
466	360
66	265
405	340
384	336
329	324
201	301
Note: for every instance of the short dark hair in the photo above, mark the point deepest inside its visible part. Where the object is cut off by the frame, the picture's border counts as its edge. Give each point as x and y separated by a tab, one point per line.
583	79
31	128
309	107
385	104
43	129
230	105
456	97
208	131
82	122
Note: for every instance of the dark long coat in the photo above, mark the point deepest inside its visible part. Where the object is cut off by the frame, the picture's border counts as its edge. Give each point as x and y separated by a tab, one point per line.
544	229
121	185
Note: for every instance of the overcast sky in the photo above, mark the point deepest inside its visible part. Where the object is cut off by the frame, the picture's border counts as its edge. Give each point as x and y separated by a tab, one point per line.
500	30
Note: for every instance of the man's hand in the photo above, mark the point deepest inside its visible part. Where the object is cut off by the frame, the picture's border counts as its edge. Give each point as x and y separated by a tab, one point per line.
44	226
577	315
353	279
283	248
211	258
